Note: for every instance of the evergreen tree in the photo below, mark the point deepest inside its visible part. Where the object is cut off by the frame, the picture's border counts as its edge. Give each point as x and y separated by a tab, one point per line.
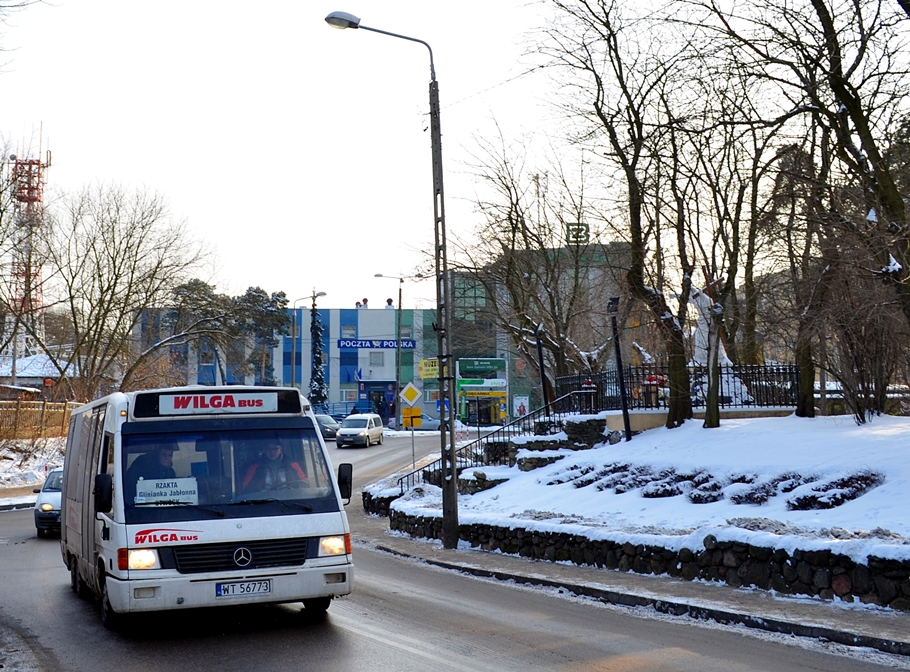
264	317
318	392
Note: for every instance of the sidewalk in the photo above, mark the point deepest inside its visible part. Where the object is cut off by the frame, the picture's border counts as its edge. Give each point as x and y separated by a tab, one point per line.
849	624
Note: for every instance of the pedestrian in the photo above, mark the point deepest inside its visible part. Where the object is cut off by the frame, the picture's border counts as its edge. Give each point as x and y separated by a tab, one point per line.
388	304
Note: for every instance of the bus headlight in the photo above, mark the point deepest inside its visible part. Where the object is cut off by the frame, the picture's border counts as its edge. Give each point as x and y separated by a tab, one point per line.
143	558
334	545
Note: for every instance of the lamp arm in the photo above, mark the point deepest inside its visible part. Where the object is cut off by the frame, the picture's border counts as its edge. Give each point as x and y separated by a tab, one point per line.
410	39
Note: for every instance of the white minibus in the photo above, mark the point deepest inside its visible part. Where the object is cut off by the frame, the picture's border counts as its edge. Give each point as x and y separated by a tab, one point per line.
202	496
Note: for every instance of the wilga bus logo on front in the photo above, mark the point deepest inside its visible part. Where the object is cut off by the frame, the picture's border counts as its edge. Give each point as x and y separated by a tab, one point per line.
187	404
160	535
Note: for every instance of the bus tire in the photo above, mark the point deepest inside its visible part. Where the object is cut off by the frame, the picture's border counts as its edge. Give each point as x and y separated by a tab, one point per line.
76	583
110	619
317	605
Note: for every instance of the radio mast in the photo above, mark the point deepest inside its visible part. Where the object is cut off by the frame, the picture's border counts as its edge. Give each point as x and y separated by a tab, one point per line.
25	317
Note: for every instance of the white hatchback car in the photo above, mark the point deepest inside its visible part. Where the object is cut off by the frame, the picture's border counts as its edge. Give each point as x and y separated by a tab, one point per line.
359	429
47	506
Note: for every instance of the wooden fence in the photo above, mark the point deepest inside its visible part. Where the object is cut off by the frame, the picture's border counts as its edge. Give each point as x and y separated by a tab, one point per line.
34	419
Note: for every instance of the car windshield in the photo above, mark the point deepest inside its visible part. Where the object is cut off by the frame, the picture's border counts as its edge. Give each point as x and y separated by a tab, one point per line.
54	482
354	423
224	473
326	420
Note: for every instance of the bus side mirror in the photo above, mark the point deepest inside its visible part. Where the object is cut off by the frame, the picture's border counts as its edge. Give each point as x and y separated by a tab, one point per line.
104	493
346	480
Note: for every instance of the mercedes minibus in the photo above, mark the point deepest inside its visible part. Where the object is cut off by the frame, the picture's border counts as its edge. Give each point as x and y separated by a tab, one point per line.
201	496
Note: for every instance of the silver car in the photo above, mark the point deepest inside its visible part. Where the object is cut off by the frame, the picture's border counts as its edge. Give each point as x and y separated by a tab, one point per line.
47	506
360	429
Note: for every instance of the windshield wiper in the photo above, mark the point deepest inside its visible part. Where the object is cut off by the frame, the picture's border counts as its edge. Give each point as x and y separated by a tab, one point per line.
177	502
211	509
284	502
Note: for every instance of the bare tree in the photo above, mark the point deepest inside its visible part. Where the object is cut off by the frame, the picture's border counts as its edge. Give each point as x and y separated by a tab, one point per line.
844	66
538	262
621	78
112	257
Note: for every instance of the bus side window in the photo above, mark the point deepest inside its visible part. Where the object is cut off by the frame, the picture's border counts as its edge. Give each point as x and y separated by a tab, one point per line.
106	465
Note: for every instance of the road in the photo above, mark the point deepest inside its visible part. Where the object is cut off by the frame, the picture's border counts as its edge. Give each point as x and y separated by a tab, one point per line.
403	615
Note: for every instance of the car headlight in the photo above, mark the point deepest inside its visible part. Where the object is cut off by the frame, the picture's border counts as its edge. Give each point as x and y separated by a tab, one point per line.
47	507
338	545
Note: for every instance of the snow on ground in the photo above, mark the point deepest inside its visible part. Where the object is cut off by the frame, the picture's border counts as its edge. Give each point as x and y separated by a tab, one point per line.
600	492
26	462
787	462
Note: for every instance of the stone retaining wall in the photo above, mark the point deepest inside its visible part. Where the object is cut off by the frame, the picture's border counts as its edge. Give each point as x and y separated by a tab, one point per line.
819	573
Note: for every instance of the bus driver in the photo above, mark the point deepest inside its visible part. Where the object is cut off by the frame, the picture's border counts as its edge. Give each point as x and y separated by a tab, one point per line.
153	465
273	470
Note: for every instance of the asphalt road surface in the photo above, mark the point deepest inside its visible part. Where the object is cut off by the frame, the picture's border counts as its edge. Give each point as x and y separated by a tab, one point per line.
403	615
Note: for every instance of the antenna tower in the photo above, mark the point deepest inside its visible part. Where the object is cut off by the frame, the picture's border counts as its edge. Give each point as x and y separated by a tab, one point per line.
25	317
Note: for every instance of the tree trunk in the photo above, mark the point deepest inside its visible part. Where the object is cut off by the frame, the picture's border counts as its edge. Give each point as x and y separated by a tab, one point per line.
805	398
712	402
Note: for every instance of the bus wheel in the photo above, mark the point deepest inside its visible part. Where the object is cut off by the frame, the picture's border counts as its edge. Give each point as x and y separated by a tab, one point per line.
110	619
76	583
318	605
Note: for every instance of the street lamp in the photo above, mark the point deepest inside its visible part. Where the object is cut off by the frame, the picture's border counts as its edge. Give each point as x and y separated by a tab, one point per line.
294	341
443	324
397	349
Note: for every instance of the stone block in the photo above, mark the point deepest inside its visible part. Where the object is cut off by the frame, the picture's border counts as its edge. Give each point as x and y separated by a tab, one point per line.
842	584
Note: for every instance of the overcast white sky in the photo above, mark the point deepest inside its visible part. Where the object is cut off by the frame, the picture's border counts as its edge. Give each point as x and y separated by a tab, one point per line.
297	152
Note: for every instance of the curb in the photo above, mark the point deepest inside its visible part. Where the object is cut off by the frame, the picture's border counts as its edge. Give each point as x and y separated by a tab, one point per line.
679	608
20	505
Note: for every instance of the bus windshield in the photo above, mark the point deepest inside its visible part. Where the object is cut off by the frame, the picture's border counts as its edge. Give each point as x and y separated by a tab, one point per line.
224	473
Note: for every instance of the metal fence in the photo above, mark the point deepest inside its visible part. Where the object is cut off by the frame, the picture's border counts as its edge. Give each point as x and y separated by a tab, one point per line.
34	419
741	386
493	447
646	388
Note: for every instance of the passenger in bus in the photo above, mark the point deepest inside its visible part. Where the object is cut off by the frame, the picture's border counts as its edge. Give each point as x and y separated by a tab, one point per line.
273	470
156	464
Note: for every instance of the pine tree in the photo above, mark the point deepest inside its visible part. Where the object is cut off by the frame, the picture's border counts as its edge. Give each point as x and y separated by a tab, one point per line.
318	392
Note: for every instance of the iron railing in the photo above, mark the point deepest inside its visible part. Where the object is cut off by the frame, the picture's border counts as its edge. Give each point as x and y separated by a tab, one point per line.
741	386
493	447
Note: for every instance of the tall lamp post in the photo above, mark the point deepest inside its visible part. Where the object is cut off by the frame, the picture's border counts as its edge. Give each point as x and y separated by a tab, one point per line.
397	349
443	298
294	341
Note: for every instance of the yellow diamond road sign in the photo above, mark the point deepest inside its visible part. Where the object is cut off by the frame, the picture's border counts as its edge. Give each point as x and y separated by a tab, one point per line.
410	394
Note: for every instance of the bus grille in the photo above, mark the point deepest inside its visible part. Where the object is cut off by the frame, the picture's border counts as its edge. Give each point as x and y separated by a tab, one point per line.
225	557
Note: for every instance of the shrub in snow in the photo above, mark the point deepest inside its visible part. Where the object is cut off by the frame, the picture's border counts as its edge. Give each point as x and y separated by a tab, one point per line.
833	493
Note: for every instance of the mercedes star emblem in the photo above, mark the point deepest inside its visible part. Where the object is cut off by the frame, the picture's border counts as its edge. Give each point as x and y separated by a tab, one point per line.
243	556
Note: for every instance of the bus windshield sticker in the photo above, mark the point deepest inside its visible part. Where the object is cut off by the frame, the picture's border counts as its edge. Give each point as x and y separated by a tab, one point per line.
208	403
167	491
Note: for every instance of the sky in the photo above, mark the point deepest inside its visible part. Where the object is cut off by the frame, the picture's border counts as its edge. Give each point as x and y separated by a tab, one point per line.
824	448
297	154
